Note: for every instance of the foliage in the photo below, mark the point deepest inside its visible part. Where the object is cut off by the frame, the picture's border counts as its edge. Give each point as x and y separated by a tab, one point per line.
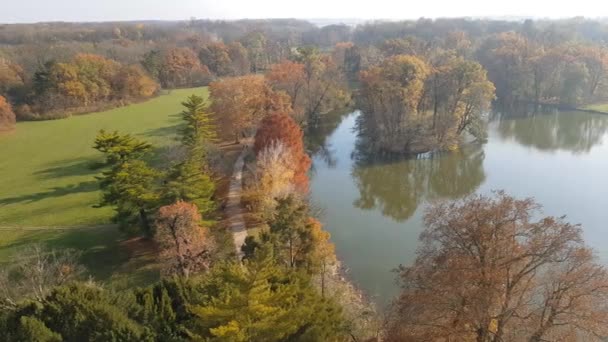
199	128
189	181
7	117
264	302
131	189
502	275
282	128
182	68
240	103
411	106
216	56
120	148
182	240
273	177
11	76
289	77
75	312
324	87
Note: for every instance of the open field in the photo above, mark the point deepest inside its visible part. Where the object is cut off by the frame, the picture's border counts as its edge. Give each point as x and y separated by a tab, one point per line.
46	174
48	188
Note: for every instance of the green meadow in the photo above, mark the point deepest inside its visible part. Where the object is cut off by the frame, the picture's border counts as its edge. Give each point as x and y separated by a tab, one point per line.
48	188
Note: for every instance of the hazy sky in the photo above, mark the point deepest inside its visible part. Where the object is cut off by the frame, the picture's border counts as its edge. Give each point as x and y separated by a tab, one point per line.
105	10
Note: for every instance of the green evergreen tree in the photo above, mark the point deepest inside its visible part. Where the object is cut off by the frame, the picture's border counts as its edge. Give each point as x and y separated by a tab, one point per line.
290	231
76	312
120	148
130	185
131	188
263	301
200	128
188	181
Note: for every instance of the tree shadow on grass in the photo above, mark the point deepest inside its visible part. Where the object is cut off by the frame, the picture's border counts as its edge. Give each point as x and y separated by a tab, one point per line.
104	251
87	186
166	131
69	168
108	256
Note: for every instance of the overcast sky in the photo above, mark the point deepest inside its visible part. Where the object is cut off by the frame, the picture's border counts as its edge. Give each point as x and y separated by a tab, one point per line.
106	10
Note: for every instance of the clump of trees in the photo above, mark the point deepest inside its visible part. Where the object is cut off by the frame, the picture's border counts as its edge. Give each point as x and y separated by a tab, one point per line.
493	269
240	103
79	84
257	301
7	116
314	82
137	190
412	105
529	67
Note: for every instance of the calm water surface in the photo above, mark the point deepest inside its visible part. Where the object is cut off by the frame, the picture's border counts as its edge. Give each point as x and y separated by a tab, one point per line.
374	209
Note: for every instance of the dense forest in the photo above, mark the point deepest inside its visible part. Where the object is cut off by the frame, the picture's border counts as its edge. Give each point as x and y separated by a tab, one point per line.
490	268
456	68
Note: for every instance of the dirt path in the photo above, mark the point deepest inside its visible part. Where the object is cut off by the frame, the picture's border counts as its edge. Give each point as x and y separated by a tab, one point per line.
234	210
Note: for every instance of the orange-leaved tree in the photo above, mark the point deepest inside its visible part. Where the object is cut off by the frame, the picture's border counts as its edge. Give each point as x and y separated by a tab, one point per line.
281	127
289	77
7	117
182	240
239	103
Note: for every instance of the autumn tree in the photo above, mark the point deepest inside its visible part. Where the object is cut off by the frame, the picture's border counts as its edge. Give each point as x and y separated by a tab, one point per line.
391	95
240	103
217	58
181	238
282	128
493	269
7	117
322	258
131	82
240	59
256	44
289	77
11	76
273	177
324	88
460	94
181	68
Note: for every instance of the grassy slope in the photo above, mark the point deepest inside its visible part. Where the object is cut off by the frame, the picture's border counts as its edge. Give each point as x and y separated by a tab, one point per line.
46	180
46	177
601	107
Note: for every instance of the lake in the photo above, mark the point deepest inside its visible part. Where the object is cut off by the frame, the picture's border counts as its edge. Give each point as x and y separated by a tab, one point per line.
374	209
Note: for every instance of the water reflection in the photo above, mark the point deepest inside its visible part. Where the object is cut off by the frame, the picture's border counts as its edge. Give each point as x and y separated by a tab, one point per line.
552	130
398	187
317	138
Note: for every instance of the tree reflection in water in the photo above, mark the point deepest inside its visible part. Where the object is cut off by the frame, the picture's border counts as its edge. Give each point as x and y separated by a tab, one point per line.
397	187
552	130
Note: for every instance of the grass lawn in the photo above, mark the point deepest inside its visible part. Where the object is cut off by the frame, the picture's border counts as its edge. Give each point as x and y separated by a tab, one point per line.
601	107
46	177
46	181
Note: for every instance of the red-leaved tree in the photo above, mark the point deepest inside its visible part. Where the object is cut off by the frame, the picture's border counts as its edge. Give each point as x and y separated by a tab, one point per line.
281	127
